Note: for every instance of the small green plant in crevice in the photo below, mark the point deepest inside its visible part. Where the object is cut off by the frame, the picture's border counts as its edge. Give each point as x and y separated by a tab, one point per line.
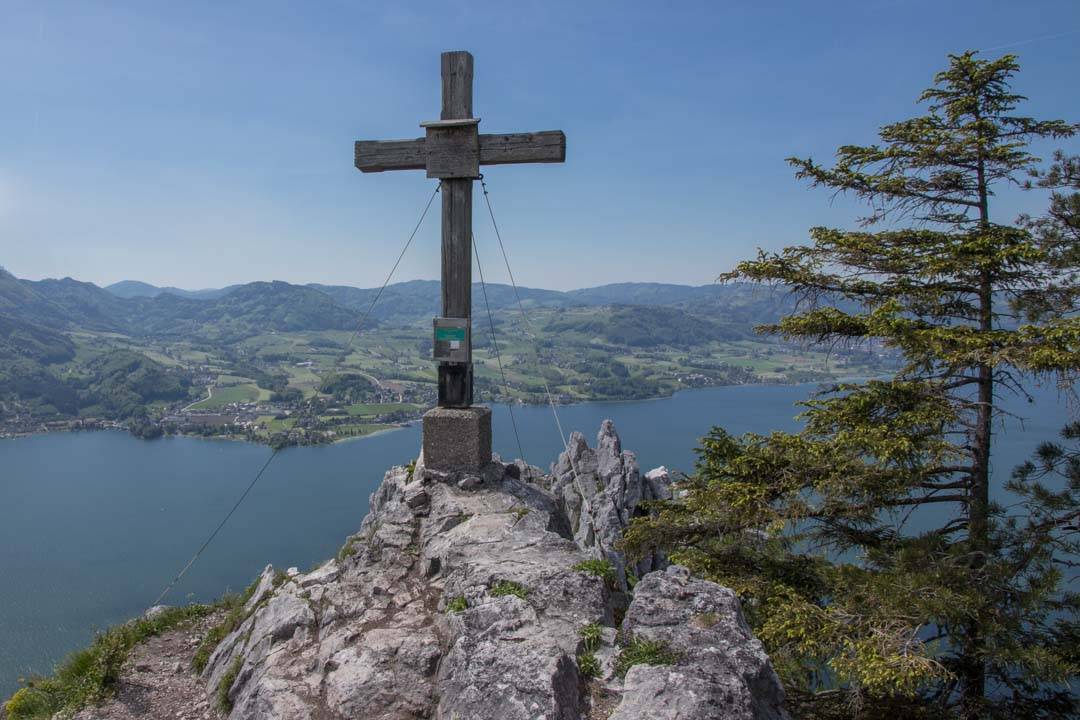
235	616
508	587
409	470
631	581
588	665
590	636
347	550
644	652
457	604
224	702
90	675
602	569
520	512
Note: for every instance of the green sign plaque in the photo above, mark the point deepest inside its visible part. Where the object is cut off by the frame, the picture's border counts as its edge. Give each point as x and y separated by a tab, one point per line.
451	340
448	334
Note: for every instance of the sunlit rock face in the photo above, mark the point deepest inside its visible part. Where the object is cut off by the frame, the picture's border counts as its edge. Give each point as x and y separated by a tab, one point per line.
463	597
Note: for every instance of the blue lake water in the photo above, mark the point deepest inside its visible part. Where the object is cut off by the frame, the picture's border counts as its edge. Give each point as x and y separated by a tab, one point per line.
94	525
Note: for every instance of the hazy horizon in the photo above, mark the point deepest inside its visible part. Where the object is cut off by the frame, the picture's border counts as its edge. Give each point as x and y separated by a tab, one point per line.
395	281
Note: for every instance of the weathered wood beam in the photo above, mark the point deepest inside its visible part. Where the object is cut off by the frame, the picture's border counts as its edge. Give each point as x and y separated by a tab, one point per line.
457	81
547	146
453	152
456	379
380	155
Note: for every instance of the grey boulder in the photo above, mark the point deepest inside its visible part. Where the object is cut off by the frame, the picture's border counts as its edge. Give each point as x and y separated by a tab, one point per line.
722	671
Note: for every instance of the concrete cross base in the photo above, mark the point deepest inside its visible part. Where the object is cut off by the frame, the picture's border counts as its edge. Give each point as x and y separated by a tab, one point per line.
457	439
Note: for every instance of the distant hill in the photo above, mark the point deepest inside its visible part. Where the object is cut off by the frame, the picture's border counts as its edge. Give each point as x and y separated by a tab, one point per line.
14	294
138	308
646	294
258	307
23	340
124	382
643	326
237	312
247	310
420	300
135	288
59	303
80	304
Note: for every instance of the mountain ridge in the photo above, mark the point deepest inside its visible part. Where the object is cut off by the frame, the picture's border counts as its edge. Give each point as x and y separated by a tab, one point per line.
136	288
140	309
499	294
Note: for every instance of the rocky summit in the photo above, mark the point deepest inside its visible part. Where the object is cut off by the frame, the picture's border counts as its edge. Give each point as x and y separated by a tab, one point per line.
499	595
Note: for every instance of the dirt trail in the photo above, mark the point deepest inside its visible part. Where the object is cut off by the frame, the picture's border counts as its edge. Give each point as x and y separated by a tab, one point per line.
157	680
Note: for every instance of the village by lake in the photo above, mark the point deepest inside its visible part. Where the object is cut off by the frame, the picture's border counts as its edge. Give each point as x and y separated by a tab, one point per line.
97	523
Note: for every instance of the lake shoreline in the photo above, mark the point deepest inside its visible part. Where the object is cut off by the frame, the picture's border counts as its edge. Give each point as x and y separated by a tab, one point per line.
74	426
196	436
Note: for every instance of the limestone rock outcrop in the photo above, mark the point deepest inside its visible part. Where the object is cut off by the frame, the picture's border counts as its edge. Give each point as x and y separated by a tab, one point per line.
461	597
600	491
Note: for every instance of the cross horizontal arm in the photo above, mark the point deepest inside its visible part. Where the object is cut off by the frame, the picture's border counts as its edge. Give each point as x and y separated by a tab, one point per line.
548	146
379	155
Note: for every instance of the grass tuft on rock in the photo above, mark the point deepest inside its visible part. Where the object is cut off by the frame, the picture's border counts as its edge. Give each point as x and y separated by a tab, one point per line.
224	702
90	675
588	665
644	652
508	587
602	569
590	636
233	619
347	550
457	604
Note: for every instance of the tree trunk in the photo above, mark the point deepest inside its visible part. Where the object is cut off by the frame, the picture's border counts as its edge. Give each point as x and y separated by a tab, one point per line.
974	669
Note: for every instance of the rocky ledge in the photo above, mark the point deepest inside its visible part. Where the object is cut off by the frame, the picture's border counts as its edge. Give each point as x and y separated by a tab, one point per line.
502	596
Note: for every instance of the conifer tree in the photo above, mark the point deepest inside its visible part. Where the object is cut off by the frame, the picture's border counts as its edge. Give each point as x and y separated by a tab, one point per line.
863	615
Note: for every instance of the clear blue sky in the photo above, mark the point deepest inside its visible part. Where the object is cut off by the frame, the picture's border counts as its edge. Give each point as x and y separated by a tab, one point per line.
201	144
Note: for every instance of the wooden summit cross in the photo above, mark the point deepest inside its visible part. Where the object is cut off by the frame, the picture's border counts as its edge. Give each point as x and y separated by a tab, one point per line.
453	151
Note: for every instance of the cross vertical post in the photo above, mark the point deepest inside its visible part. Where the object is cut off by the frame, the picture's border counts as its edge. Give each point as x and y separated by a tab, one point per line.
456	379
457	435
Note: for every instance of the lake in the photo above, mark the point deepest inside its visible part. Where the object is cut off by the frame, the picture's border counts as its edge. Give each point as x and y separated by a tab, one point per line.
94	525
